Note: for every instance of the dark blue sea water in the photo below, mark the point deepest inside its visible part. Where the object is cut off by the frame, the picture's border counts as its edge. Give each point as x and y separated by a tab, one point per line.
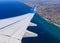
47	32
11	9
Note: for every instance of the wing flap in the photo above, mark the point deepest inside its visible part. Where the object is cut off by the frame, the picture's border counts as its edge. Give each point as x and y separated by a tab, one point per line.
30	34
32	24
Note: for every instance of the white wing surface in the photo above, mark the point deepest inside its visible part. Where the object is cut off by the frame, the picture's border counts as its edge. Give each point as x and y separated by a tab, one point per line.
13	29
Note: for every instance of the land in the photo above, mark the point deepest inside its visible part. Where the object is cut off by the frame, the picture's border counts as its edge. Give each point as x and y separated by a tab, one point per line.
47	9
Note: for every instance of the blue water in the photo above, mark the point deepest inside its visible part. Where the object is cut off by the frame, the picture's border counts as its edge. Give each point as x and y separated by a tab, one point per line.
47	32
11	9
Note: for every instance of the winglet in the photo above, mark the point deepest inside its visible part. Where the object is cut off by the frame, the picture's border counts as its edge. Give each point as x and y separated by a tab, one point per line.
33	10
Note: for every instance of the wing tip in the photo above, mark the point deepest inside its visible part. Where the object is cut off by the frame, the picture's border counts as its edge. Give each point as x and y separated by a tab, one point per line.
33	10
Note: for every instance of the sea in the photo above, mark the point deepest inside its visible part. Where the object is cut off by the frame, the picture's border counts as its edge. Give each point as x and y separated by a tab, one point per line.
47	32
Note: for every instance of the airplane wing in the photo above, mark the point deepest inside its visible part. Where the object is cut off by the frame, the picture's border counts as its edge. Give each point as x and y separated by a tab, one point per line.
10	21
12	30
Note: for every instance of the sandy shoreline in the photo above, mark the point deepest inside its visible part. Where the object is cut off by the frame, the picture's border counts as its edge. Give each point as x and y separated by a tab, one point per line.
51	22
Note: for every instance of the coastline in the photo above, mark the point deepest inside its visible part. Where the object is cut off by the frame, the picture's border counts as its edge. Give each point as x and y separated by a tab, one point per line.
51	22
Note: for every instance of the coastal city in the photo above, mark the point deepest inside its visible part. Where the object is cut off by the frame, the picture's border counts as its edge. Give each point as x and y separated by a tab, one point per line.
48	10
